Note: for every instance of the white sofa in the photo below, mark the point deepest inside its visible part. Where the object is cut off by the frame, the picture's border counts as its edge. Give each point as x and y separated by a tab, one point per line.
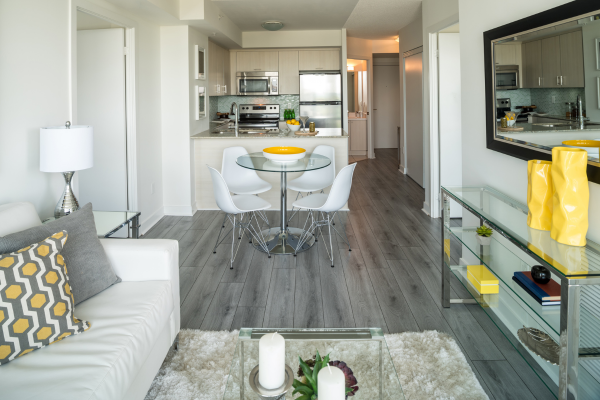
134	323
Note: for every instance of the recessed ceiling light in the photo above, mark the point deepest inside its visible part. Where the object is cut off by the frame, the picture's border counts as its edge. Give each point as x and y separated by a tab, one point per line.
272	25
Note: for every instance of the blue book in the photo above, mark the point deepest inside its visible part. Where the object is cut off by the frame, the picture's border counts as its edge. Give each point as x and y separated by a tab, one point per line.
542	302
531	286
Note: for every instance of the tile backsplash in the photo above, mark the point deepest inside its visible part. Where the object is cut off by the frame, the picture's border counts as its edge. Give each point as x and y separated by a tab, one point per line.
223	103
542	98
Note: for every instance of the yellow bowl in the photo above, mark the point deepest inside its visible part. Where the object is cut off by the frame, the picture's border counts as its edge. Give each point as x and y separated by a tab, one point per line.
582	143
284	154
285	150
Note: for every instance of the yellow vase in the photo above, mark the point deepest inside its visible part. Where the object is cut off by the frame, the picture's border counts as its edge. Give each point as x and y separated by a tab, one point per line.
539	194
571	196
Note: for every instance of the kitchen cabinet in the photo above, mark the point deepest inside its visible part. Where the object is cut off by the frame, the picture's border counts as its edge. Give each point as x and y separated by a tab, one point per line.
232	73
317	60
554	62
532	64
289	73
551	62
218	70
507	54
248	61
357	130
571	59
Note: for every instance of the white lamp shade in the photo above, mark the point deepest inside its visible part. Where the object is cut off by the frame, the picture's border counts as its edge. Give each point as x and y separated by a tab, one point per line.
63	149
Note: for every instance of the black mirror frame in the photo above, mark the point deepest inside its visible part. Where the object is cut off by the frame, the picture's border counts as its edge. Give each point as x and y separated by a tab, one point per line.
552	16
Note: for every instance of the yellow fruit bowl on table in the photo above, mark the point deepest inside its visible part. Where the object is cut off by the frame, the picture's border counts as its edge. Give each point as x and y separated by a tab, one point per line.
293	124
284	154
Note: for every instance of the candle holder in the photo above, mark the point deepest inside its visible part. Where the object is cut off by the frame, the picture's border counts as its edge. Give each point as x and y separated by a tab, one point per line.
271	394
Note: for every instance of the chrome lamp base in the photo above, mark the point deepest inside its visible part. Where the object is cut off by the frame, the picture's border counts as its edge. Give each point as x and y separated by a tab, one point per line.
68	202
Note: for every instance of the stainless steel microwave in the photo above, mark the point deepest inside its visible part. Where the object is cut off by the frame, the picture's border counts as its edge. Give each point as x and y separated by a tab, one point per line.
507	77
257	83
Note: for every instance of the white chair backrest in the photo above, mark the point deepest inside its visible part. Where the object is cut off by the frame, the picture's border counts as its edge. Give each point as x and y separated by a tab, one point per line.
222	195
340	190
231	171
327	173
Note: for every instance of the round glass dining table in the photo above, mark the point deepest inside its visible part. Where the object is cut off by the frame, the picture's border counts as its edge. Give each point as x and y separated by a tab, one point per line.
283	239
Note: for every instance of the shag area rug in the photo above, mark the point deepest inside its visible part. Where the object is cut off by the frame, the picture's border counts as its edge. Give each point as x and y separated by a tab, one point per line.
430	365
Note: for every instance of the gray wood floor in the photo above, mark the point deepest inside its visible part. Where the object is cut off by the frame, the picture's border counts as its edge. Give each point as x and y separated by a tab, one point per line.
391	279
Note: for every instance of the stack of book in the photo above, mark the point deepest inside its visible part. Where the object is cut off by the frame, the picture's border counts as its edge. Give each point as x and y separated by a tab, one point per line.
547	294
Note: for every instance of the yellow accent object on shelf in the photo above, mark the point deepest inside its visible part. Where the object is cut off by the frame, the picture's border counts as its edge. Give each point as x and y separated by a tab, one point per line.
284	150
539	194
482	279
582	143
571	196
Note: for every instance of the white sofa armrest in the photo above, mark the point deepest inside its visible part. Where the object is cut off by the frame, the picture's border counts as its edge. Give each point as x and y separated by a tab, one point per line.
146	260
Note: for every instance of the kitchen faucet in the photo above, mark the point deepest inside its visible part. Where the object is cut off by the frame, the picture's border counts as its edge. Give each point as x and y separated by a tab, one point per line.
580	118
237	109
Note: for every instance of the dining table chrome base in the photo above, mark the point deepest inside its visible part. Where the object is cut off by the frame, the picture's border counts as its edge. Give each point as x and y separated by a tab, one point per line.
284	242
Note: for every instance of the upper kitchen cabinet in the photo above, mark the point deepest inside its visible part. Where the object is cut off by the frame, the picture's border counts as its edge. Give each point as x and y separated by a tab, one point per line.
508	54
554	62
249	61
289	74
319	60
571	59
218	70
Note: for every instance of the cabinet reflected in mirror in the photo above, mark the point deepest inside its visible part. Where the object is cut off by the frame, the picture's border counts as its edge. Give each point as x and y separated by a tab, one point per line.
547	85
357	88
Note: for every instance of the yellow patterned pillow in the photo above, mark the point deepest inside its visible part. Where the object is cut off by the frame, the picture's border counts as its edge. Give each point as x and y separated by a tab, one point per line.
36	304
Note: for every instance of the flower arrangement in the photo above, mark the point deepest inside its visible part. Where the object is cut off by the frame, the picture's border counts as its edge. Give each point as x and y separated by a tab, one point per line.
308	373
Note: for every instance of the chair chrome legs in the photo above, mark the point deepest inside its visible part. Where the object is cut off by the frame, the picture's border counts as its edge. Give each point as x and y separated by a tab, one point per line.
237	222
326	219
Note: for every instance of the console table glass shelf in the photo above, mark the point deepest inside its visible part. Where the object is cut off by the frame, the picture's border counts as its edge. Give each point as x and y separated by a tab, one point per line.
516	247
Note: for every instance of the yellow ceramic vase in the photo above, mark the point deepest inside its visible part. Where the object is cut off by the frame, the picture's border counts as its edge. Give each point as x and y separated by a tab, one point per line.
539	194
571	196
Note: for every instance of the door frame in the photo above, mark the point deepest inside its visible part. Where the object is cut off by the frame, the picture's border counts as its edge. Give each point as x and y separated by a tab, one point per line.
370	139
130	27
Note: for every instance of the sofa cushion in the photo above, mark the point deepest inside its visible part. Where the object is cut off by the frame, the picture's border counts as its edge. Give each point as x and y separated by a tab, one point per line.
15	217
90	271
36	304
101	364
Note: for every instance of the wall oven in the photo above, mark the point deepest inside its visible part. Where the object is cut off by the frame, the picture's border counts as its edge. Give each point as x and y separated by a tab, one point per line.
257	83
507	77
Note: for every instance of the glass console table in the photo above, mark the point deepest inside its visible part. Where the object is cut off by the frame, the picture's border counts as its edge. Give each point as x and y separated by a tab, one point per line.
363	349
574	325
109	222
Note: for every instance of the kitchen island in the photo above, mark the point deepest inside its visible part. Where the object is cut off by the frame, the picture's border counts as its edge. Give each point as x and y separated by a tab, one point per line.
208	149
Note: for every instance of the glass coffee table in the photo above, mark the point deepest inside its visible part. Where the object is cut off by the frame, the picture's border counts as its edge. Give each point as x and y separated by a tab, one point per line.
363	350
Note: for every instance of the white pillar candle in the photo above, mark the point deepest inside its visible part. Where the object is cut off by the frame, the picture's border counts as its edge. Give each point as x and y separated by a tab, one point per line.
271	361
331	384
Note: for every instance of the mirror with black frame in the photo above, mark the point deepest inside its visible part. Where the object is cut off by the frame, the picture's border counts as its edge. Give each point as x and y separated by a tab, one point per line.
543	84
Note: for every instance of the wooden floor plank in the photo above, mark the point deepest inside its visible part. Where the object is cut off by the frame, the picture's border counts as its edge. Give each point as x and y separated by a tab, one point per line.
337	308
256	288
372	255
248	317
187	243
187	277
280	304
205	245
503	381
308	299
219	315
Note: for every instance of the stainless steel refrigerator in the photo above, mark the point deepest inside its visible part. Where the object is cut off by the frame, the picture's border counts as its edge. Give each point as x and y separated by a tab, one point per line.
321	99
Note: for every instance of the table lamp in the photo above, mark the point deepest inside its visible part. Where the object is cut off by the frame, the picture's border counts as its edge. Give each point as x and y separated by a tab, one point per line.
66	149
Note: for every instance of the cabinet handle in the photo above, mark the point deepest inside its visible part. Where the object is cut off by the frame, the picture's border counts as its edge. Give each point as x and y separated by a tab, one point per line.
218	89
540	81
224	89
558	81
561	80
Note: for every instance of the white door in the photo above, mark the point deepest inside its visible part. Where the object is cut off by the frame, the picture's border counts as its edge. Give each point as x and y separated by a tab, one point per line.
386	103
449	117
101	104
413	70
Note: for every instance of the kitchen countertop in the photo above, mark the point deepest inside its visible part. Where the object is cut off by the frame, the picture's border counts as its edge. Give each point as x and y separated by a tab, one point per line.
528	128
323	133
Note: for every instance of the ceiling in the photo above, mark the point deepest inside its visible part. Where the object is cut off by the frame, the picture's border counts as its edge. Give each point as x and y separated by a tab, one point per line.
366	19
295	15
381	19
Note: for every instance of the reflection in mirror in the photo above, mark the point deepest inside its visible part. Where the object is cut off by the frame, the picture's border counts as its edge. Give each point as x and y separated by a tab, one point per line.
548	86
351	107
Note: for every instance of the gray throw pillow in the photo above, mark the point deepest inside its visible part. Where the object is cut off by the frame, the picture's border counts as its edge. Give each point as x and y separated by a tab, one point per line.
88	267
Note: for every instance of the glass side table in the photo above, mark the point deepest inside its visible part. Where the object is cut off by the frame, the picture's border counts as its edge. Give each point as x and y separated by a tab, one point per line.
109	222
364	351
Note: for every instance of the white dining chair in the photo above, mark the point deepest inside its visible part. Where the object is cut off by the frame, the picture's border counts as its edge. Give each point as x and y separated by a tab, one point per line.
242	180
317	180
325	206
236	208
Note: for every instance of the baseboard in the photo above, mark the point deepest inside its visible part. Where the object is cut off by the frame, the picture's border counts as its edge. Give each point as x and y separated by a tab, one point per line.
402	169
180	211
149	222
426	209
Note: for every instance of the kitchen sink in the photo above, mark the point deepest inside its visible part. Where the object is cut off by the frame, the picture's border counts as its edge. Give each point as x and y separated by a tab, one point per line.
552	125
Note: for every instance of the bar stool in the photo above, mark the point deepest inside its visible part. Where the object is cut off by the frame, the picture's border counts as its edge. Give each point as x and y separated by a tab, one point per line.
236	208
327	206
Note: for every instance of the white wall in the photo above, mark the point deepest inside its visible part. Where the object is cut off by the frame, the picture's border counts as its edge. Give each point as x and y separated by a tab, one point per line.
385	46
32	96
278	39
480	165
591	32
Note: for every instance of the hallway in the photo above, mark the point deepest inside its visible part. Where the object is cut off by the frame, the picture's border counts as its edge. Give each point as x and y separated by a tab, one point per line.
391	279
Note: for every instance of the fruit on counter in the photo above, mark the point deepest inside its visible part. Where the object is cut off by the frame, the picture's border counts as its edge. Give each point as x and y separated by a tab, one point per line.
292	122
